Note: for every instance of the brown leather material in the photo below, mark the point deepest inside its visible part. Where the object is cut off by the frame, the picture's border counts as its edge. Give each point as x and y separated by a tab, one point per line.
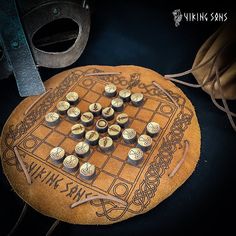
142	187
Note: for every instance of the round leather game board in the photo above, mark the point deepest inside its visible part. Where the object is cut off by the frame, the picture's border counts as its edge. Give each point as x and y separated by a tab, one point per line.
119	190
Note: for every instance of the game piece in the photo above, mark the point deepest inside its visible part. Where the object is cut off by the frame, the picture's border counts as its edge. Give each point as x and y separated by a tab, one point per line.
92	137
117	104
87	171
129	135
106	144
125	95
57	154
108	113
122	120
95	108
110	90
87	118
153	129
135	156
114	131
144	142
72	98
73	113
82	149
77	131
52	118
71	163
137	99
101	125
62	107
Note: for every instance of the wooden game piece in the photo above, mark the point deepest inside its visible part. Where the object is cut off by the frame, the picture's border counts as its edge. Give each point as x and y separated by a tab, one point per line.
95	108
87	171
144	142
82	149
101	125
73	113
110	90
52	118
87	118
77	131
122	120
92	137
135	156
129	135
71	163
62	107
114	131
108	113
57	154
125	95
106	144
72	98
137	99
117	104
153	129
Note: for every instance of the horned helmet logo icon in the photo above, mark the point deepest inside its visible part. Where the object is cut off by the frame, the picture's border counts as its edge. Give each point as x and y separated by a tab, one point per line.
177	17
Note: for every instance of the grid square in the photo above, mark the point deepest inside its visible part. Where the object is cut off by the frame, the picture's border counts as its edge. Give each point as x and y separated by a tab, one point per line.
91	97
151	104
144	115
30	142
104	101
83	106
162	120
113	166
139	126
131	110
81	91
121	152
166	109
41	132
129	173
68	145
43	151
98	87
64	127
103	181
98	159
120	189
55	138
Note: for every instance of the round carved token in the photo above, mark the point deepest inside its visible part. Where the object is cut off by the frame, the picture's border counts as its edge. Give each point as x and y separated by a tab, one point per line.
137	99
114	131
82	149
92	137
110	90
153	129
129	135
145	142
117	104
87	118
57	154
72	98
62	107
73	113
87	171
125	95
135	156
95	108
105	144
122	120
101	125
71	163
108	113
77	131
52	118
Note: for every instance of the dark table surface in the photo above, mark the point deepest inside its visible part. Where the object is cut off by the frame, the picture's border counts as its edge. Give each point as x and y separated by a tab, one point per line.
143	33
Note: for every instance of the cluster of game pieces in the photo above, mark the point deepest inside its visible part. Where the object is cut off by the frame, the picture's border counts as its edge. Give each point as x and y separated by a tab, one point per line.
92	137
